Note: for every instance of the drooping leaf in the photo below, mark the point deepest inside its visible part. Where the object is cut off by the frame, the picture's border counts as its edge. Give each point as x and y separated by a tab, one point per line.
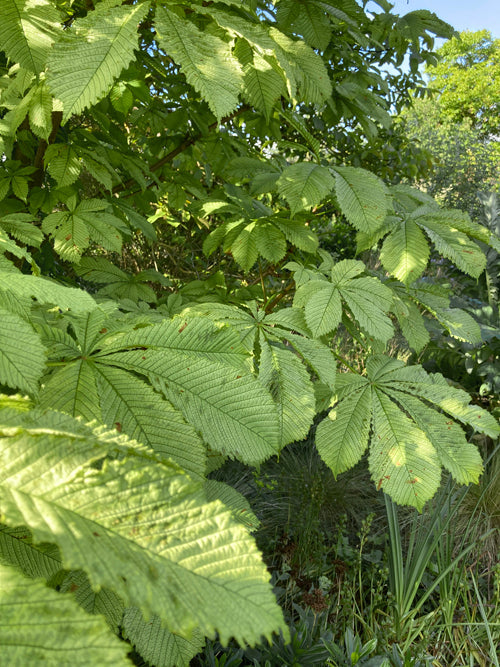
403	461
21	227
262	85
323	309
40	626
234	500
405	252
202	370
206	61
456	246
62	163
156	644
307	19
134	525
270	242
85	62
304	185
288	382
27	31
362	197
304	69
22	355
342	438
410	441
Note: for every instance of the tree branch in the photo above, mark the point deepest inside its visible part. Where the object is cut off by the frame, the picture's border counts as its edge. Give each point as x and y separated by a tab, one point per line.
185	143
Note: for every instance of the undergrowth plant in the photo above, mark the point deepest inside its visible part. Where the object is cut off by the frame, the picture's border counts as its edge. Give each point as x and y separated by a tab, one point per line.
125	385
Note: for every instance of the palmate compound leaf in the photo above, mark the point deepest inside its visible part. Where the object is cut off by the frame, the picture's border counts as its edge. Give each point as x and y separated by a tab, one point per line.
367	298
206	61
92	390
138	526
201	368
410	440
457	322
234	413
22	355
41	627
87	59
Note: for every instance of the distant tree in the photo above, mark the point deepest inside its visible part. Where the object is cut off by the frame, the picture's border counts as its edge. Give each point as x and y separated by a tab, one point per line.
458	127
467	77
